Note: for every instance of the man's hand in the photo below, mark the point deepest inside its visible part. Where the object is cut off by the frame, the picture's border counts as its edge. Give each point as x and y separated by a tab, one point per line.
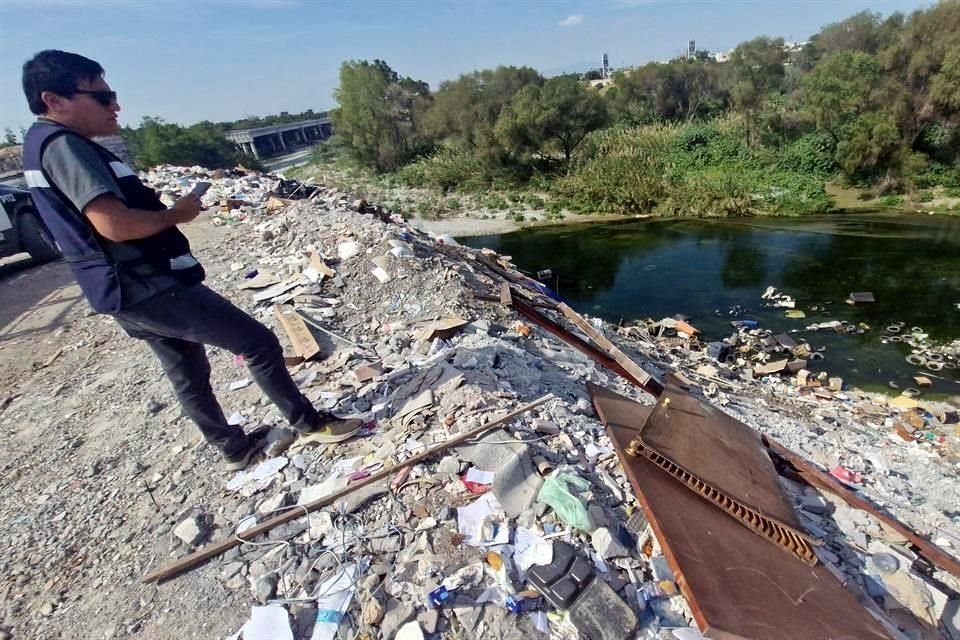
115	221
186	209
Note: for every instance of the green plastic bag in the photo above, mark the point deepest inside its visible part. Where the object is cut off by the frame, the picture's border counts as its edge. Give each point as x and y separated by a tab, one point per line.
556	493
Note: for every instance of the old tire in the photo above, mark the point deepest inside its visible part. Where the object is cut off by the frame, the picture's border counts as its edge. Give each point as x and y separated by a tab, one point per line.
35	239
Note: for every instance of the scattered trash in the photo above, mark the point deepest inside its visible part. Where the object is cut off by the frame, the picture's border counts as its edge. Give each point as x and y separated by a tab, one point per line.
266	623
861	297
240	384
556	492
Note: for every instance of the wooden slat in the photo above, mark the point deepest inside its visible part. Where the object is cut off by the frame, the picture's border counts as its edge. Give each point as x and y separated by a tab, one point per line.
639	374
296	329
505	297
526	309
929	551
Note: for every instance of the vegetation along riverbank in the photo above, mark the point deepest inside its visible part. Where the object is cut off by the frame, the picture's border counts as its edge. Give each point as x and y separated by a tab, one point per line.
864	115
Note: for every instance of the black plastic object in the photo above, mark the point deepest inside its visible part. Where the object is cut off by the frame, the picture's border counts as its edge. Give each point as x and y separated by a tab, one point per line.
563	580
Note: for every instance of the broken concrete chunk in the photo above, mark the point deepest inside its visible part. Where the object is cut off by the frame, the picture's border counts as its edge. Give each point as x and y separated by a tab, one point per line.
191	531
600	614
771	367
396	614
606	544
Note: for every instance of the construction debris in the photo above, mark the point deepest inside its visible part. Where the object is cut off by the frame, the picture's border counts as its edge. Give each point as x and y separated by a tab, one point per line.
445	519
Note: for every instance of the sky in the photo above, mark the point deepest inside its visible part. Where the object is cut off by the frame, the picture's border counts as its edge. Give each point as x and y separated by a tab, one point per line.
187	61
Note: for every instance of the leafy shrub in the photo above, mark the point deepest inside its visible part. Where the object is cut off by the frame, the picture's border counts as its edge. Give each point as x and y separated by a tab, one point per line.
936	174
891	200
811	154
533	201
445	170
703	170
496	202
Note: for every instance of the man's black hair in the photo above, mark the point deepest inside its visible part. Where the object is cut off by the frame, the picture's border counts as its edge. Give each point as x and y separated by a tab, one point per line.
57	72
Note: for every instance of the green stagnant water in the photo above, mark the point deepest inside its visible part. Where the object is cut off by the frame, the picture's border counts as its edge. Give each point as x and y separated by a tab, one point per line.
702	268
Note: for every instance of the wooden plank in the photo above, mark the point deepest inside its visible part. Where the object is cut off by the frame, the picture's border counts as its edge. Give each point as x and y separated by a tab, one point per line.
216	548
297	331
505	297
738	586
641	376
815	477
652	386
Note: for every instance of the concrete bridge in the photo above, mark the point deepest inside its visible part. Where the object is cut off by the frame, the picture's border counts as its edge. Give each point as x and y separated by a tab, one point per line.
280	138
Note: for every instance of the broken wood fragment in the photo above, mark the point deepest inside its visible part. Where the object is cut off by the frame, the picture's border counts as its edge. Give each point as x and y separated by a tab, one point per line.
296	329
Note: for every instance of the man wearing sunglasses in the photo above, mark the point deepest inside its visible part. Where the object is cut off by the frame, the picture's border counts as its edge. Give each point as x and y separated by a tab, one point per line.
132	262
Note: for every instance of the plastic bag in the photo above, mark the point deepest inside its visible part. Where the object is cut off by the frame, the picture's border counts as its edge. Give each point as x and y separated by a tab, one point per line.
556	493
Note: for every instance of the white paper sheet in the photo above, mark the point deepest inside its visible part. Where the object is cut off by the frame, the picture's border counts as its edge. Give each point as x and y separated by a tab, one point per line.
485	510
266	623
478	476
530	549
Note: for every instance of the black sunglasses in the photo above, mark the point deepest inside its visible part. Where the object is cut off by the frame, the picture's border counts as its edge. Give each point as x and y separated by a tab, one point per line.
105	98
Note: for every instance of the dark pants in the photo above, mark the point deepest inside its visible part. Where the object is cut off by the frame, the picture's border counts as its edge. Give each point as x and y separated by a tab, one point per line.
179	322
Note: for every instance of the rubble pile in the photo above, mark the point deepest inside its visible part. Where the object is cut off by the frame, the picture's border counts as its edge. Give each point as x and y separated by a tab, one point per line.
476	541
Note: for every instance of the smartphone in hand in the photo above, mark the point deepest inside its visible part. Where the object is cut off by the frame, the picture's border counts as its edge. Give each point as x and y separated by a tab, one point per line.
199	189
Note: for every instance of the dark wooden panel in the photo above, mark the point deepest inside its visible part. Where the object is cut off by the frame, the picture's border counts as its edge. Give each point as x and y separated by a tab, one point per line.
738	584
719	450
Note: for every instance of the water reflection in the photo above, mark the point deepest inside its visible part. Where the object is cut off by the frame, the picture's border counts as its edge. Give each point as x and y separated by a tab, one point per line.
658	268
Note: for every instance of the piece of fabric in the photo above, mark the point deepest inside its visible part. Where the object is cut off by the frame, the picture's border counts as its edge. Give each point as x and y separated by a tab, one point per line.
79	171
178	322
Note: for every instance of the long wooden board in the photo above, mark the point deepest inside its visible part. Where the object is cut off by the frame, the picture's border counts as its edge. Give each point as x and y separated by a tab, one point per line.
216	548
721	451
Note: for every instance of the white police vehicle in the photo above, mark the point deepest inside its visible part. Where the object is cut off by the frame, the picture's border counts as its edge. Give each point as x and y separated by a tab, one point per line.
21	229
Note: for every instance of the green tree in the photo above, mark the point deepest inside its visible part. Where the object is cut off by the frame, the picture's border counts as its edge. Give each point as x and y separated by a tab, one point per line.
555	118
680	90
865	32
378	114
157	142
9	137
840	88
757	68
464	111
868	145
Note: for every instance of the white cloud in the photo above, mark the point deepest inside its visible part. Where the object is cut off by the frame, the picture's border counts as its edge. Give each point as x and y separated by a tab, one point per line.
571	20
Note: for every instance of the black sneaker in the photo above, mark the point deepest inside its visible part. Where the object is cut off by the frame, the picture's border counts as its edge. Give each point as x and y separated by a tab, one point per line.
241	459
